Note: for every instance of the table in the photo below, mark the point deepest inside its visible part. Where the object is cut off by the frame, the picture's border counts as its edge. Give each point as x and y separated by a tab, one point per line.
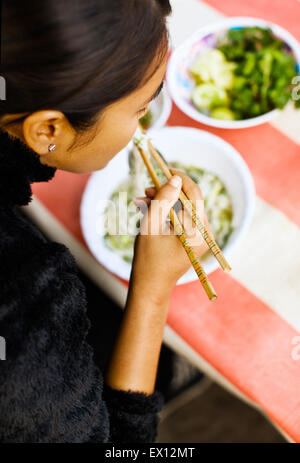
248	340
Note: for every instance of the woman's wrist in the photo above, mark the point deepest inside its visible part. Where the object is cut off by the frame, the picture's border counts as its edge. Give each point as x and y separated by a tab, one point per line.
151	290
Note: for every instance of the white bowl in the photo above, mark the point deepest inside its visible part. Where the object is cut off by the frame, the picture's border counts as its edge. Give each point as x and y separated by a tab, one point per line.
181	84
161	109
190	146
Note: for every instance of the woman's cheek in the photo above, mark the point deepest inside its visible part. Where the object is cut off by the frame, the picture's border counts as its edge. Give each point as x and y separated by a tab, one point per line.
127	133
119	137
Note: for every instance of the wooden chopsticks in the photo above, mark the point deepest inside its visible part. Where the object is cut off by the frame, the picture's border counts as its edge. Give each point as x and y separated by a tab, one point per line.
194	259
216	251
189	206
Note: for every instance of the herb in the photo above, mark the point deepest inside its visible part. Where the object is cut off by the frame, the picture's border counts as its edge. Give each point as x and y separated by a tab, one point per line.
248	74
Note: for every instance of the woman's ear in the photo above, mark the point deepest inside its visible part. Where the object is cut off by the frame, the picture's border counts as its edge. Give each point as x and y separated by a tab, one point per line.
46	127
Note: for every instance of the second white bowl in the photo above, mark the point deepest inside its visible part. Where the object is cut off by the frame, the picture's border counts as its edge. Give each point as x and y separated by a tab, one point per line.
181	84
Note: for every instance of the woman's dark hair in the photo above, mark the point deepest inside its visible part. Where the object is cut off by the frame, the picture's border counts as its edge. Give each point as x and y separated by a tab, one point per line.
78	56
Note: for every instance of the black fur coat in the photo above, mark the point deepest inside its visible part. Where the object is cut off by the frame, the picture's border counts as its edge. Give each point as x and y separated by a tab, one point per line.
50	387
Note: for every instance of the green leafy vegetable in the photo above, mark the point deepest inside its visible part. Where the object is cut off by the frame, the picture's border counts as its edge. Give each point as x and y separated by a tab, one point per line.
146	120
248	74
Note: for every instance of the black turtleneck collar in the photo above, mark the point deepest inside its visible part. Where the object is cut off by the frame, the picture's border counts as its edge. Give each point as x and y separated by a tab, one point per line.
19	167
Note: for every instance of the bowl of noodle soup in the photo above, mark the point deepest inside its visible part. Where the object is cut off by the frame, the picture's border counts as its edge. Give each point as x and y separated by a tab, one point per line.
110	220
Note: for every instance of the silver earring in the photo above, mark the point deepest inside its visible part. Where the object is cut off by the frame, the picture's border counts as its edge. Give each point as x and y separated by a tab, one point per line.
51	147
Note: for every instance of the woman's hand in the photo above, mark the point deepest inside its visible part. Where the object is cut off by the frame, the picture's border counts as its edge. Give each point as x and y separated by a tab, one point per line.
159	258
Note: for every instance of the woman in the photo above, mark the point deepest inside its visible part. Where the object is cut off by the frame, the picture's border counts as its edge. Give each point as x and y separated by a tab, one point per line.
79	75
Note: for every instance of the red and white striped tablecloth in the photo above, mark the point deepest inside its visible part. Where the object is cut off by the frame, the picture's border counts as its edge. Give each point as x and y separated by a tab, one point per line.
249	338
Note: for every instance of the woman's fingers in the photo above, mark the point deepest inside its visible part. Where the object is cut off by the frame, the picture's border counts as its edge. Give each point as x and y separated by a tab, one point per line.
158	203
192	191
190	188
150	191
155	221
140	201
